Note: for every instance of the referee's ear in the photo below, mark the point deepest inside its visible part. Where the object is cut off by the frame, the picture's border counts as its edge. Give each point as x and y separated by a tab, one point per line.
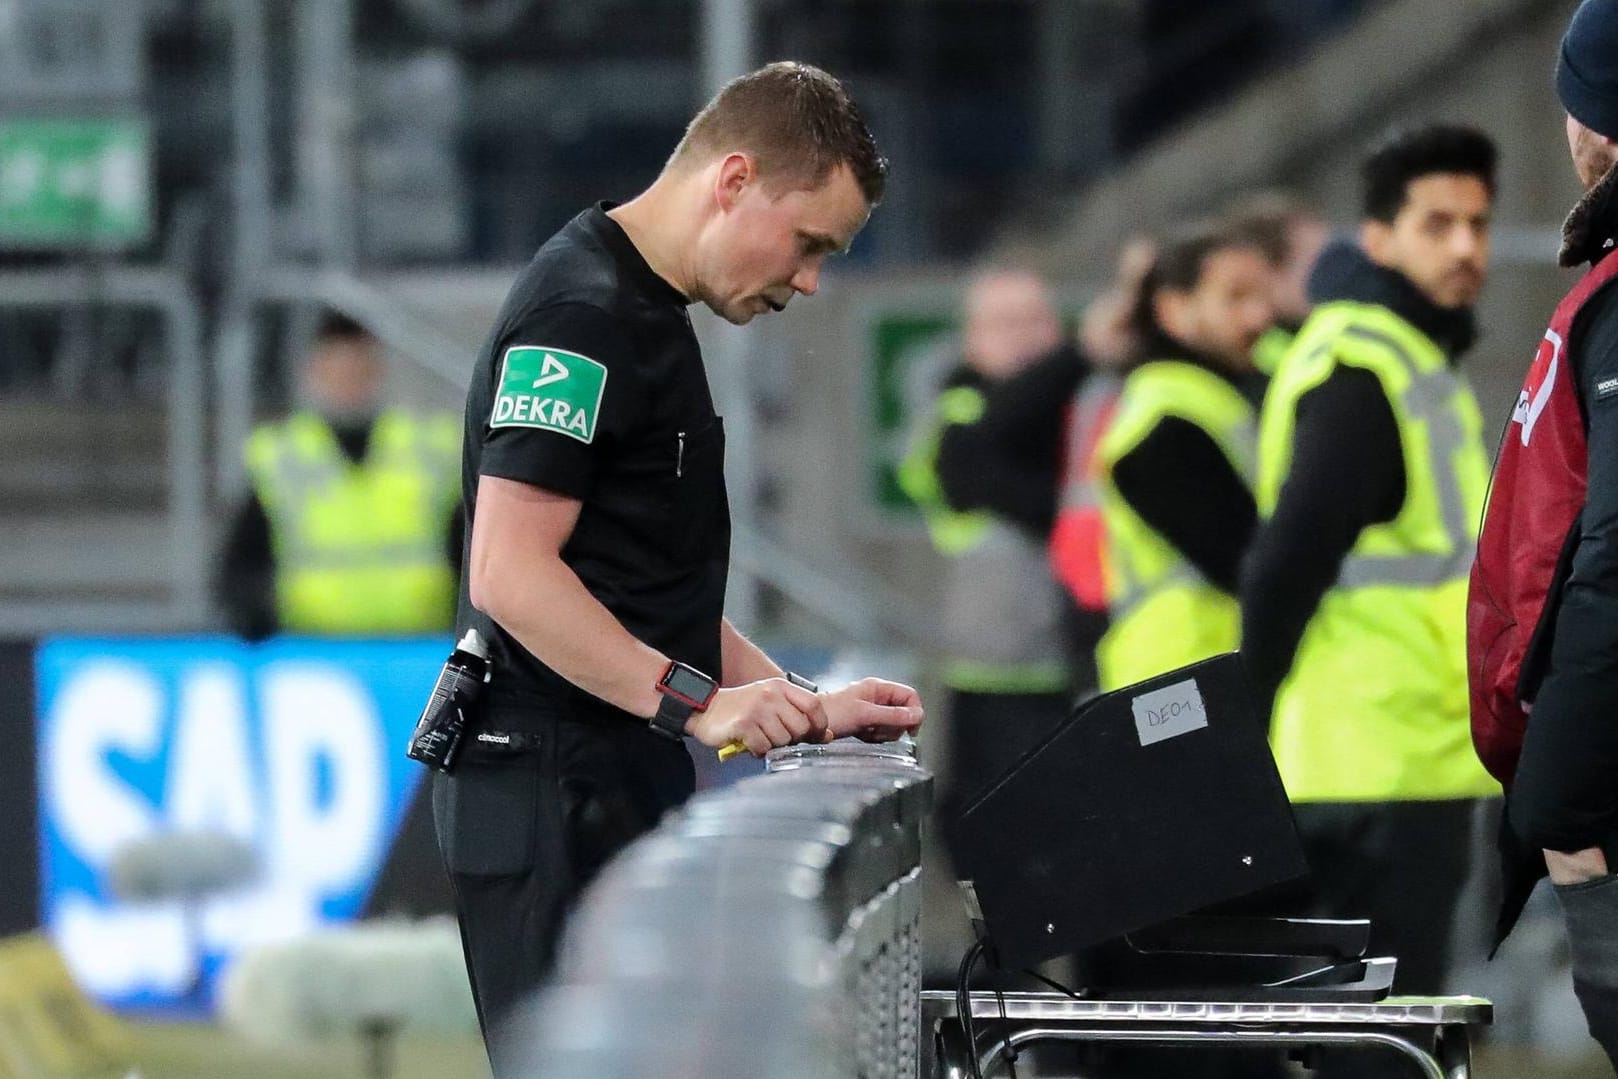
737	170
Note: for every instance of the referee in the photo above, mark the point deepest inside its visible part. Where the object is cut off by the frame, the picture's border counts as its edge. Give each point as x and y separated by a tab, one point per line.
598	528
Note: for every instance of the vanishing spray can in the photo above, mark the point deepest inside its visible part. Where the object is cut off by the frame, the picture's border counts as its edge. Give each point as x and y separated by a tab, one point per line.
437	737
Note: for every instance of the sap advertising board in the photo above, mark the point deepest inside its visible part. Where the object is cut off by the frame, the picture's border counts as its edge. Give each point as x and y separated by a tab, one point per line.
295	746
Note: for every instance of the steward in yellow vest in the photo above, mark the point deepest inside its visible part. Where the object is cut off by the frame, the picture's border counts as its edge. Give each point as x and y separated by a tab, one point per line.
1384	651
1371	479
360	545
352	522
1177	460
1002	608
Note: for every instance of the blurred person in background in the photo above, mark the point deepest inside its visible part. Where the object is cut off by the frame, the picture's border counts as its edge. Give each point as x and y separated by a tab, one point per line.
1018	457
1293	235
1543	612
1005	663
1177	458
599	529
352	523
1371	480
1108	343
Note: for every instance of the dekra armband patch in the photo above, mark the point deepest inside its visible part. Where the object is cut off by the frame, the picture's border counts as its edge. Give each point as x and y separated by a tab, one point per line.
551	389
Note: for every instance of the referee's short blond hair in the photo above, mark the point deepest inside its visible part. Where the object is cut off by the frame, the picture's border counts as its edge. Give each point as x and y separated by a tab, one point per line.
796	121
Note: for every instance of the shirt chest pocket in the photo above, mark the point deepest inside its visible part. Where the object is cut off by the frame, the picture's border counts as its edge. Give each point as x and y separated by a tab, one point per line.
695	505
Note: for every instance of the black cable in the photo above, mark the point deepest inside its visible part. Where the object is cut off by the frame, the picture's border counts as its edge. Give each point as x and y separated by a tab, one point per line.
1008	1051
963	1007
963	1004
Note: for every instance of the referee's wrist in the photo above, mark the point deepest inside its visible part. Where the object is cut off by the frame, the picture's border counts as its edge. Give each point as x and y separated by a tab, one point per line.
651	697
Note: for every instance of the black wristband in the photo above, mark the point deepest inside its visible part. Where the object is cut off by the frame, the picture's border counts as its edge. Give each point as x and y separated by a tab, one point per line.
672	713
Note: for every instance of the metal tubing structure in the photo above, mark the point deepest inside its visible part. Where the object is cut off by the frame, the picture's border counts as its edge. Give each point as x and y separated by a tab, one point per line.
236	344
728	49
166	293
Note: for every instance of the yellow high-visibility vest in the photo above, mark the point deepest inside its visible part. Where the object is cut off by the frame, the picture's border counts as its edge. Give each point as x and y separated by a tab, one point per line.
952	531
1375	705
1270	347
359	548
1165	613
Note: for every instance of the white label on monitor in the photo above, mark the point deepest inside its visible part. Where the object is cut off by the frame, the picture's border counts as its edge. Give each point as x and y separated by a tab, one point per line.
1169	712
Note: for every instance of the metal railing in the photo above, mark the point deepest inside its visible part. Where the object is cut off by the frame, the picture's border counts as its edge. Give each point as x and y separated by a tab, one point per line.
167	294
770	929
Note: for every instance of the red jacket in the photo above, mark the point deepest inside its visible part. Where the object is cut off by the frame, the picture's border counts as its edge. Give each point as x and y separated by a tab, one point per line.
1534	504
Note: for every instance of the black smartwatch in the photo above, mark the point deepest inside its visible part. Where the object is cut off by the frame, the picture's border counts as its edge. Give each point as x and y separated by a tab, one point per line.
685	690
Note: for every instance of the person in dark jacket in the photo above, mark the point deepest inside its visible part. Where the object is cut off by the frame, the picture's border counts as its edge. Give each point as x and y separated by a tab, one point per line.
1543	610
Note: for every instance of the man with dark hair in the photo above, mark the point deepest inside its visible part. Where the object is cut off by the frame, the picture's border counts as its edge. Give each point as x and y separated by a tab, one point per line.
1542	621
1176	460
1370	482
352	523
599	532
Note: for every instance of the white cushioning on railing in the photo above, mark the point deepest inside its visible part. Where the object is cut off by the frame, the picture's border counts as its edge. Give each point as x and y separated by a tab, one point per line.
770	930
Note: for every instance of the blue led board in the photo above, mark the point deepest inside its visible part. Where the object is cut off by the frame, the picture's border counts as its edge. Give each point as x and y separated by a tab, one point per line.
294	746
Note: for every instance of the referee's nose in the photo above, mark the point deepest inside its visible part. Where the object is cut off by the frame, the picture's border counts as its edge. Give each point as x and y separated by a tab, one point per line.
807	279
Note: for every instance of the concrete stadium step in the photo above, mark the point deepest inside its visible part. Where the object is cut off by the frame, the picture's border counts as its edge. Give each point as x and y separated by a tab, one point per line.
86	553
57	457
85	540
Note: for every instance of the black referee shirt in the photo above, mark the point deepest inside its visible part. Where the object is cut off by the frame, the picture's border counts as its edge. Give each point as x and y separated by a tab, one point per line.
592	386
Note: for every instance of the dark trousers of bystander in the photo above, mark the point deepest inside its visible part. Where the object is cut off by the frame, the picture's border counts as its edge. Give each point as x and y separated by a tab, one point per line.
533	811
1591	908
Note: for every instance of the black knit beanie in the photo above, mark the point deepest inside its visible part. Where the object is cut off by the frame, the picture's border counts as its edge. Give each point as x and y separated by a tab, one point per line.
1587	69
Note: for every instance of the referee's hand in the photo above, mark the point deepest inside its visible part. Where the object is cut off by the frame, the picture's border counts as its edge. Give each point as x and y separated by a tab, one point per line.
761	715
874	710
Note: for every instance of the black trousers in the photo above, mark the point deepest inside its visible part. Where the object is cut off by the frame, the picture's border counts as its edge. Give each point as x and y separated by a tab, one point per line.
528	818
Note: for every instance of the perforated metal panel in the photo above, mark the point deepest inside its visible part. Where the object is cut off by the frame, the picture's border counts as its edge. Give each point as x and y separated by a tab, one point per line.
821	862
880	956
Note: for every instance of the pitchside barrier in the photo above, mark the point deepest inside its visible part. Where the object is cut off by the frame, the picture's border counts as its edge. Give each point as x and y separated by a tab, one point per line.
770	930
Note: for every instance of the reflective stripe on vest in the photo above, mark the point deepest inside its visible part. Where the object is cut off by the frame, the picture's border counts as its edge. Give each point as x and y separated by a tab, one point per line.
1374	708
359	548
1165	614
